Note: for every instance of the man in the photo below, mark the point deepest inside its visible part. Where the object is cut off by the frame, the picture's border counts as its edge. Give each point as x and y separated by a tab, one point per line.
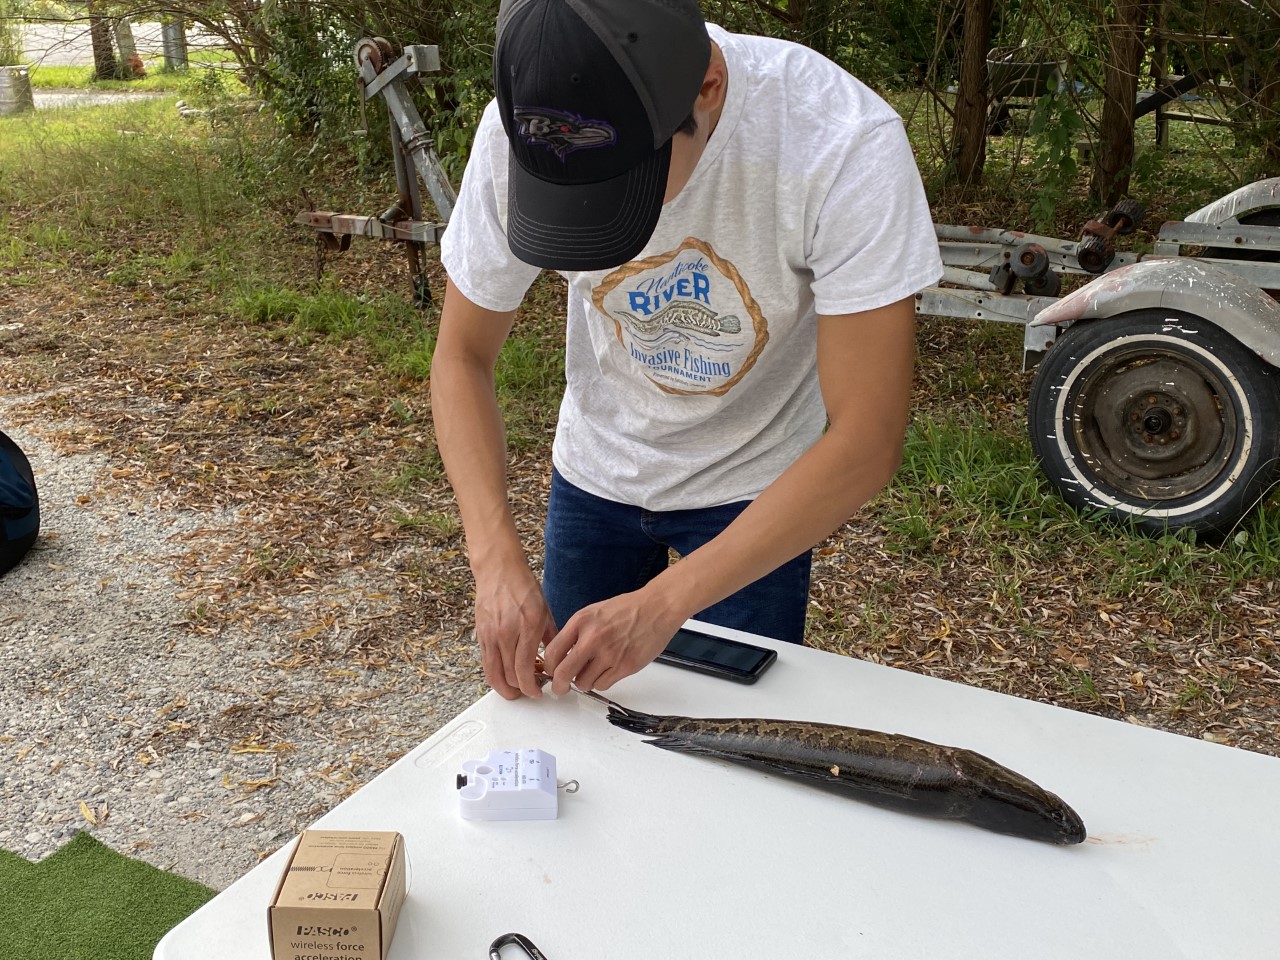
742	228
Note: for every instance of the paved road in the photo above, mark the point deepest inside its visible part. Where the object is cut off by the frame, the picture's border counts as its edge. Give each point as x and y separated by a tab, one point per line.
67	44
52	99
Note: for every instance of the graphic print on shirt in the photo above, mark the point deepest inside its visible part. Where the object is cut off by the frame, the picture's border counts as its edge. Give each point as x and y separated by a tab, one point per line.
686	317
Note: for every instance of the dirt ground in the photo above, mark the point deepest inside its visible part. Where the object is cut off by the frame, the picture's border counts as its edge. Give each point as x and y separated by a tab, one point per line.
328	465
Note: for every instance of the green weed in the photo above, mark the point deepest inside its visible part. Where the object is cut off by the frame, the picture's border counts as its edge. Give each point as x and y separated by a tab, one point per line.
437	524
427	470
1079	684
395	332
1192	693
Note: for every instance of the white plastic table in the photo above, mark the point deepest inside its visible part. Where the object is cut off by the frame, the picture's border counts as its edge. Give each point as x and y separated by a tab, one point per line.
665	856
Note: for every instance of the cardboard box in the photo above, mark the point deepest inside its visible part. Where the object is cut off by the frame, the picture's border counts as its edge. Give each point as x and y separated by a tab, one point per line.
339	897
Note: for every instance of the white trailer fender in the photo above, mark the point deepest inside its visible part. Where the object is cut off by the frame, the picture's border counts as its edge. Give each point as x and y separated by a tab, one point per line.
1186	285
1252	197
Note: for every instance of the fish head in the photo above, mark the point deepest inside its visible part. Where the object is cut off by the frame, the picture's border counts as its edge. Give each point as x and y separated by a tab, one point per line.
1038	815
1064	824
1007	802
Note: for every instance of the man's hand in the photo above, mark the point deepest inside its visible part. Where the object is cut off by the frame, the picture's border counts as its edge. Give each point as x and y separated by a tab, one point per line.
607	641
512	623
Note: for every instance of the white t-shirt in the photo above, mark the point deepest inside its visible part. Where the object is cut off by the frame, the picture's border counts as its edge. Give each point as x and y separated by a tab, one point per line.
691	370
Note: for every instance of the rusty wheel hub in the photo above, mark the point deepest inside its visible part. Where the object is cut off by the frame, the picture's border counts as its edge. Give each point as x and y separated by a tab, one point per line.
1155	427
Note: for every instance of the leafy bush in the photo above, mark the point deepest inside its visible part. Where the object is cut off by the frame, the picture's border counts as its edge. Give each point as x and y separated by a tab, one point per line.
10	35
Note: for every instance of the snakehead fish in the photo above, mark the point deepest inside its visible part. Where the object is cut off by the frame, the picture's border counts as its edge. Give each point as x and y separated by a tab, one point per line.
886	769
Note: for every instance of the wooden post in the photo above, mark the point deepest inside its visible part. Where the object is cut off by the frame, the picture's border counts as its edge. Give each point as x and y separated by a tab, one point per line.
105	66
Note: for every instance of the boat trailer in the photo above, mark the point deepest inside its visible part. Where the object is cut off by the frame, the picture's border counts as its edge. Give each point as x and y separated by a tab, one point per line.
1156	395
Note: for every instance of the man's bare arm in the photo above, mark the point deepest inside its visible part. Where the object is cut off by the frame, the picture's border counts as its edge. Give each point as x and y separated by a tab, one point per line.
511	614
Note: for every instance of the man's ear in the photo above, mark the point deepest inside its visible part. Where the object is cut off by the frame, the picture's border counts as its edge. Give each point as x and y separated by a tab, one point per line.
715	84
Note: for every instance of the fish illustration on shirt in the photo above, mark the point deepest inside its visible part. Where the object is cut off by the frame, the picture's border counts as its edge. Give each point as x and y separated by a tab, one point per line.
686	316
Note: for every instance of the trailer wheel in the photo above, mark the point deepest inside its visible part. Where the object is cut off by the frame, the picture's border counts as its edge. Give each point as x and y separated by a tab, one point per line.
1156	418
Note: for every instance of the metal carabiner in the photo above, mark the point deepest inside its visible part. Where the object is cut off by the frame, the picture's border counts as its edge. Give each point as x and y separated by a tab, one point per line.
520	940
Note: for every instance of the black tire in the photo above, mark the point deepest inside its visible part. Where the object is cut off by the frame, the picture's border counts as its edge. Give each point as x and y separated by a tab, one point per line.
1131	213
1158	419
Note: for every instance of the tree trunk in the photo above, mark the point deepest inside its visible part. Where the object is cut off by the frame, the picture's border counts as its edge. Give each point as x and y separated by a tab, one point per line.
969	137
815	26
1124	58
105	66
130	62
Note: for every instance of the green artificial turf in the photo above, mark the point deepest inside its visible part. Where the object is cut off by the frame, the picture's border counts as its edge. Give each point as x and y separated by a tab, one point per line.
87	902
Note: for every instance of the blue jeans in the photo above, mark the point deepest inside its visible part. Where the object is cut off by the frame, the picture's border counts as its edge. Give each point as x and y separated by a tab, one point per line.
598	548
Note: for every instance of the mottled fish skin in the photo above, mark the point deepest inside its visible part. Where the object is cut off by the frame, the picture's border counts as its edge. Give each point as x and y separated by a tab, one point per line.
886	769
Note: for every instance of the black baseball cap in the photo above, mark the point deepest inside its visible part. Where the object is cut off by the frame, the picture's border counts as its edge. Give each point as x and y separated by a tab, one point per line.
591	93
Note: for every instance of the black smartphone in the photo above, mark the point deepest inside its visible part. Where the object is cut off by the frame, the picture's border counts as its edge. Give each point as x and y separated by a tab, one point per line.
730	659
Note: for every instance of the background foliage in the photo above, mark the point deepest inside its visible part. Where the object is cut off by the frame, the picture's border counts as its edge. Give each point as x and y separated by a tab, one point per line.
297	54
189	293
10	40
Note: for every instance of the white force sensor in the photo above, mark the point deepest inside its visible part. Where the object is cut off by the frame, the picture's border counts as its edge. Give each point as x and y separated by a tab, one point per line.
509	785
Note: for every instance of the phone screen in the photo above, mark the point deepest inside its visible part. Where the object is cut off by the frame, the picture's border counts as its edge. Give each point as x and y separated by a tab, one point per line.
731	659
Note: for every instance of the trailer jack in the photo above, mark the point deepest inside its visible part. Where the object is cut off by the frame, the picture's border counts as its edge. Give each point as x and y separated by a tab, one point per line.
383	74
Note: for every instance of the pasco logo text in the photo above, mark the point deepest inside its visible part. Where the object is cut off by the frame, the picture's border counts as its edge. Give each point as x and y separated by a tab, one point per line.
309	931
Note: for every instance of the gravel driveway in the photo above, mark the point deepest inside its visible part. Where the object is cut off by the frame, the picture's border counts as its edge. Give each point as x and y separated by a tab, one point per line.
195	752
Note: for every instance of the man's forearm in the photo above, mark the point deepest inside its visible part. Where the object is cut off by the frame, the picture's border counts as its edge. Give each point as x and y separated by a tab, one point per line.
472	443
809	501
469	428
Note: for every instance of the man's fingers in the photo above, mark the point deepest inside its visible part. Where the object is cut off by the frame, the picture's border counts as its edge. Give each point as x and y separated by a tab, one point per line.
525	652
569	668
557	648
494	675
588	677
609	678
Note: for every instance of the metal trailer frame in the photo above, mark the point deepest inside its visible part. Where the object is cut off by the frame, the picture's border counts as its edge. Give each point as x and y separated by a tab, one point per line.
1156	398
382	74
1160	404
971	255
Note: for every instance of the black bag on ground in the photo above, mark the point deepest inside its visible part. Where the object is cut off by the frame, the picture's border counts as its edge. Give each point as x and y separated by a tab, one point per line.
19	505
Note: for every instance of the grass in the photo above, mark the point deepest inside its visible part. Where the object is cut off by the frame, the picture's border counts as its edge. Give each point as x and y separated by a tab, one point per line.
113	168
969	488
402	339
87	902
81	78
389	325
194	221
157	80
